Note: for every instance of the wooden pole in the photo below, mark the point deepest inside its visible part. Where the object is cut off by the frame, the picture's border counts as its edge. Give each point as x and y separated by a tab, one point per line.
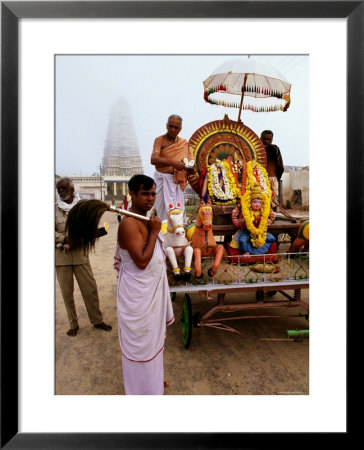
125	212
242	96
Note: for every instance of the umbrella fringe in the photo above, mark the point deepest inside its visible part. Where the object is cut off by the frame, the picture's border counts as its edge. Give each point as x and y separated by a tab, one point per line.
248	88
249	107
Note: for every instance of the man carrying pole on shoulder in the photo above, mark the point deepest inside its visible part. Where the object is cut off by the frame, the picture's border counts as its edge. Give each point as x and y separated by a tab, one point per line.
144	305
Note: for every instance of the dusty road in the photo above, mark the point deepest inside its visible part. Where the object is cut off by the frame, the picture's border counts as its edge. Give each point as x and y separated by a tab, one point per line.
217	362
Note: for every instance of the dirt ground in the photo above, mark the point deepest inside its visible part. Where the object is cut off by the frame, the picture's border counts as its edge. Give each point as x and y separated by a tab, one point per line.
217	363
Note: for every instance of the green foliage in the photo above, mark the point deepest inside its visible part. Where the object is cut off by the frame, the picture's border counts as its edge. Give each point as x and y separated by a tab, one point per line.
189	209
223	154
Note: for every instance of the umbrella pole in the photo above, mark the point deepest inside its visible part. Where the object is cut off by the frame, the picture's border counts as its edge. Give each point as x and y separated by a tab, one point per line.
242	96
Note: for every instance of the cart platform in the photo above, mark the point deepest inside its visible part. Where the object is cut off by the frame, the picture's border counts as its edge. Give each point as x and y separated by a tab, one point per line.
287	272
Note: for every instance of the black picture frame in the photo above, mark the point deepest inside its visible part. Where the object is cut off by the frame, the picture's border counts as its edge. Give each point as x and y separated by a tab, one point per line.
11	12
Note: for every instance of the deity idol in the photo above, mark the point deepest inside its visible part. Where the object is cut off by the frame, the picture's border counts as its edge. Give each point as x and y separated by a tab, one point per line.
236	167
252	237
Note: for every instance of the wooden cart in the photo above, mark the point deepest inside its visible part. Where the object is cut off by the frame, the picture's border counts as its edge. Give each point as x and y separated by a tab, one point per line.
287	273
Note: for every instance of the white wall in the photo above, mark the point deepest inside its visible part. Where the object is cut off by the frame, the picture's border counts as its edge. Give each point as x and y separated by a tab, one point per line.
296	180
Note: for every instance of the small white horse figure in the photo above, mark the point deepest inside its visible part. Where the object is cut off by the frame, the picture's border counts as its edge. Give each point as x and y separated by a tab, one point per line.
176	243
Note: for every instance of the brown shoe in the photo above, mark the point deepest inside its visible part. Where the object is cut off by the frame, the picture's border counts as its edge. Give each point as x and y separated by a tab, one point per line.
72	331
103	326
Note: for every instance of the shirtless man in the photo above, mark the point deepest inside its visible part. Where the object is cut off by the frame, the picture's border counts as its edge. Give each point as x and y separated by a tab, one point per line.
144	307
171	174
275	166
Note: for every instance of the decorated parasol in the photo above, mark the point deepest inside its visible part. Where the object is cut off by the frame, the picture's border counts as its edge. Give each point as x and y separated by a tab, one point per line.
247	84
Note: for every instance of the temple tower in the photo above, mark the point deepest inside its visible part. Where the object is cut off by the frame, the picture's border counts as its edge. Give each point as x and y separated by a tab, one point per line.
121	158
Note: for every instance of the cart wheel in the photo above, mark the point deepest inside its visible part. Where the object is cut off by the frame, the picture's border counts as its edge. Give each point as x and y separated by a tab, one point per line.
259	296
173	296
186	321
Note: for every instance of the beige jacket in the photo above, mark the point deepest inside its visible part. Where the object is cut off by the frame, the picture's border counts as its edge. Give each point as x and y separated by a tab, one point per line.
66	257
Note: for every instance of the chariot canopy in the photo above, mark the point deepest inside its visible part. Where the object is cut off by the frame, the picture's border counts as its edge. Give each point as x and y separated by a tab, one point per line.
248	85
223	148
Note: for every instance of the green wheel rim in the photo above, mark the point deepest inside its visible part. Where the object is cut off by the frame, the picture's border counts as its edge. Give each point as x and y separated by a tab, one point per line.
186	321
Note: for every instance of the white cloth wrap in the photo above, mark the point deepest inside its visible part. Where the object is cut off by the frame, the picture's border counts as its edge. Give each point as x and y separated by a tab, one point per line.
144	306
67	206
167	192
143	378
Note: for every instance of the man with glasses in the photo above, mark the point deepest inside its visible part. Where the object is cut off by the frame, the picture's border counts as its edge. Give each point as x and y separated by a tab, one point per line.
171	173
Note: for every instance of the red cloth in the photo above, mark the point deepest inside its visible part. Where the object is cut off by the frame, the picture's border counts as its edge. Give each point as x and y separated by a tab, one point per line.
237	257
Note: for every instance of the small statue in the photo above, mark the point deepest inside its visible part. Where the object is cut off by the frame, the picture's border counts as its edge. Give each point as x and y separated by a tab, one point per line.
176	244
203	241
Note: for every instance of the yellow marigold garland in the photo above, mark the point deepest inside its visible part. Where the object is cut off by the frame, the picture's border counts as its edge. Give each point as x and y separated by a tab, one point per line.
263	178
258	235
209	182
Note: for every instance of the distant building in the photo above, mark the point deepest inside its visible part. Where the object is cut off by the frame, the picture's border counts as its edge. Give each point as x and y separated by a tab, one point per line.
121	158
295	187
190	196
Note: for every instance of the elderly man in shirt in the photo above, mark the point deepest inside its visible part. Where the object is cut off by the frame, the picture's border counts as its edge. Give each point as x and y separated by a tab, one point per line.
74	262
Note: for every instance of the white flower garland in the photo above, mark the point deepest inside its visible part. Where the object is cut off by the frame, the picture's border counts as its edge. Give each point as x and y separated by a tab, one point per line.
215	185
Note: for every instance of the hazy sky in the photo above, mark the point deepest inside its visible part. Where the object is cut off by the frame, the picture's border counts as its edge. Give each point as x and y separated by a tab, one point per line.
156	86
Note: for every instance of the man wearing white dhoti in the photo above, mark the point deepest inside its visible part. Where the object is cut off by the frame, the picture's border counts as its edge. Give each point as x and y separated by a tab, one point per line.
144	305
171	173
